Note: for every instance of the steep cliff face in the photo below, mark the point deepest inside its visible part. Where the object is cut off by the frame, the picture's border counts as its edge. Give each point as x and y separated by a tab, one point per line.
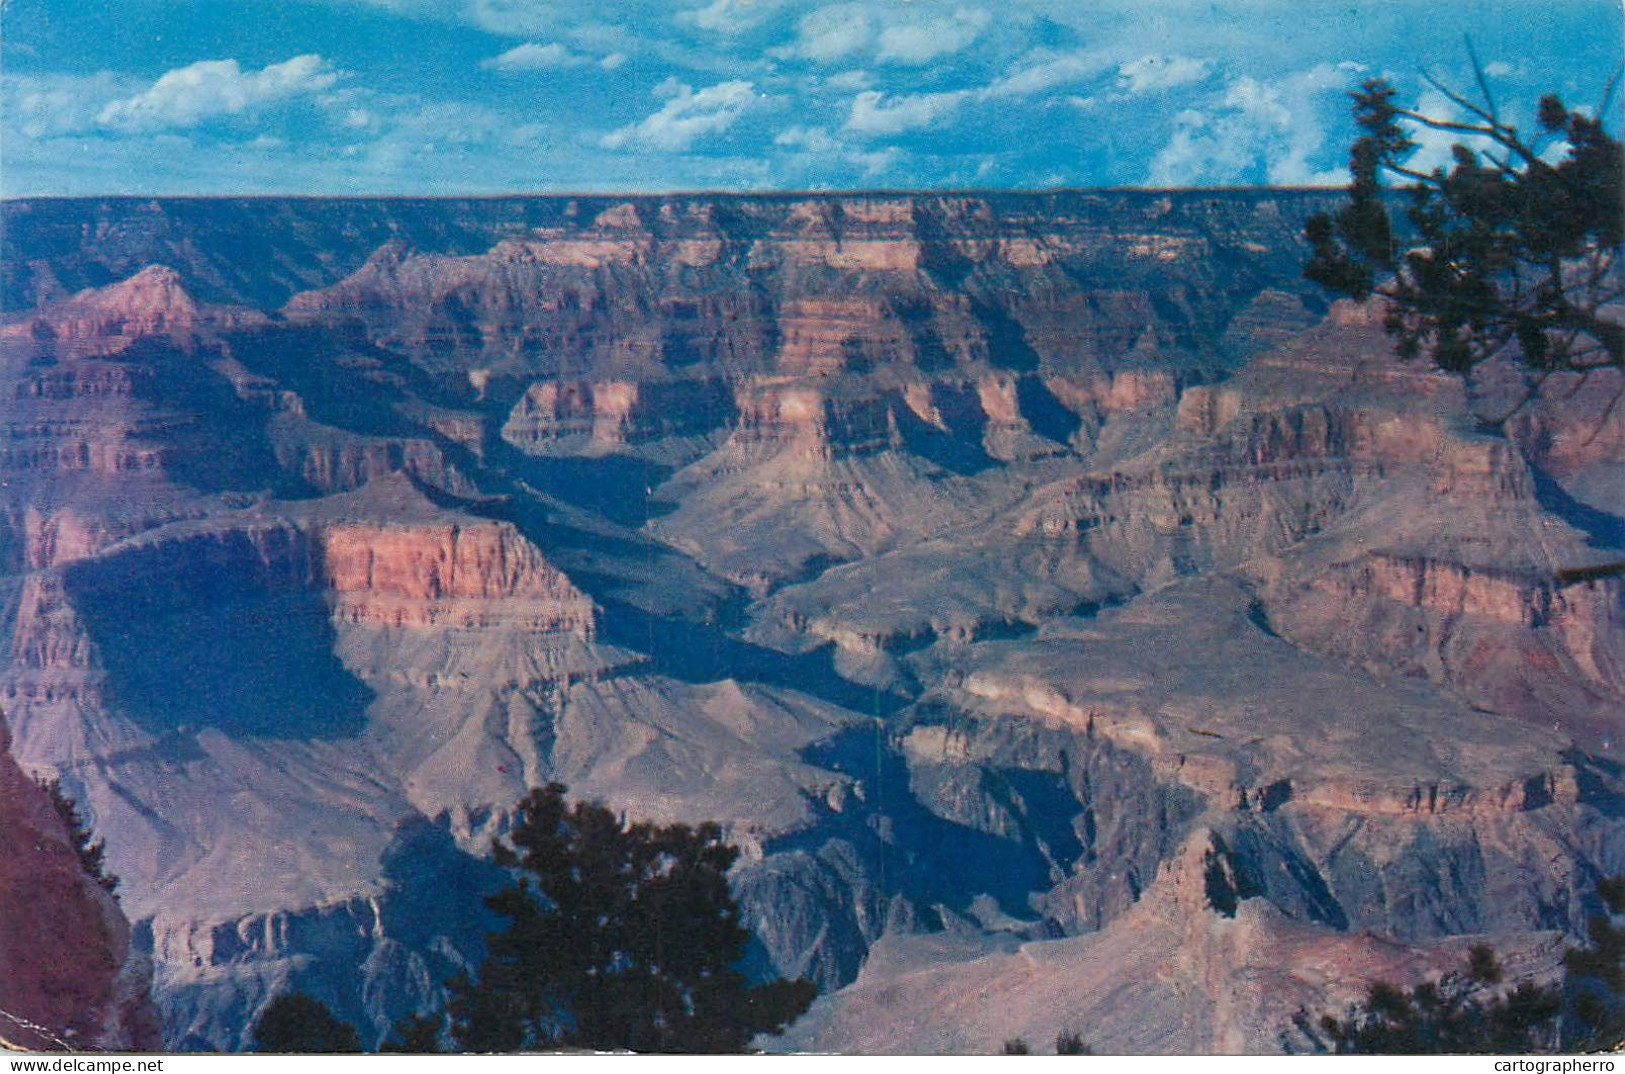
817	286
1033	585
69	977
1522	643
332	460
428	573
586	418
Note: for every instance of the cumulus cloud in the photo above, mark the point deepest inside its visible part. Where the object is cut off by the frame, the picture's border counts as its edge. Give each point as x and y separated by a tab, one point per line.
829	34
685	117
1044	70
189	95
44	106
731	17
924	40
874	115
1255	132
850	80
812	139
517	18
549	57
534	57
817	145
1156	73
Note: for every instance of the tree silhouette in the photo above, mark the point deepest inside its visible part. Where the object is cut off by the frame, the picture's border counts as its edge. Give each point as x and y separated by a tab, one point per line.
296	1022
618	937
417	1034
1071	1044
1457	1014
91	852
1470	1010
1596	977
1505	253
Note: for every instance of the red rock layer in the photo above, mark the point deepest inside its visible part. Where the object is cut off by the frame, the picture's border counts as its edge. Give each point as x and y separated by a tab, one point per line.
447	575
68	979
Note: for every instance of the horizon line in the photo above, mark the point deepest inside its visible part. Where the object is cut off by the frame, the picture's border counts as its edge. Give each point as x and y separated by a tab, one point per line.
700	192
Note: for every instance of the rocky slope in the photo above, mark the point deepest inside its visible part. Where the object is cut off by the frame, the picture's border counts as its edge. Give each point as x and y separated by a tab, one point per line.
1203	981
69	977
1033	586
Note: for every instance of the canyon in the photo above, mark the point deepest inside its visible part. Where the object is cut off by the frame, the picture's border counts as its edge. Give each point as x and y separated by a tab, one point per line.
1078	621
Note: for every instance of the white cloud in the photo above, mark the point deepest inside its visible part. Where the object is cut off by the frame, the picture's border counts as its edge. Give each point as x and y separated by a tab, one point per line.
1044	70
874	115
442	123
44	106
1156	73
829	34
922	41
516	18
189	95
874	163
533	57
812	139
850	80
731	17
1257	131
815	146
685	117
552	56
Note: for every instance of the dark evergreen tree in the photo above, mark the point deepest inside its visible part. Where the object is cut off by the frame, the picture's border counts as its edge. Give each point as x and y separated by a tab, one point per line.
91	852
417	1034
296	1022
1071	1044
1458	1014
1505	252
1471	1012
1596	978
618	937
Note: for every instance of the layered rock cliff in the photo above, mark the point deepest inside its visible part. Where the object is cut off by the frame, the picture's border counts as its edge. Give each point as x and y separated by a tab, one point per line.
1033	585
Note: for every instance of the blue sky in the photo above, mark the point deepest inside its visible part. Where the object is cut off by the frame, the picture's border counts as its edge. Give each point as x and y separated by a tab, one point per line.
472	96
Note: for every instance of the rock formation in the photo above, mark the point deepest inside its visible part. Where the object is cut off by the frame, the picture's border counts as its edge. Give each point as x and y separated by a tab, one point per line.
1033	586
69	977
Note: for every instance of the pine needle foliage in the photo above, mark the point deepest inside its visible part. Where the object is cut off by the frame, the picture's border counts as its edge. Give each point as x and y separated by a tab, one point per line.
1513	249
619	937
